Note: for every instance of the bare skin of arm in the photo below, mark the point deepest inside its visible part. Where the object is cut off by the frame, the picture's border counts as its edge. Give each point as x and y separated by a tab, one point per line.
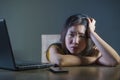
106	56
69	60
109	56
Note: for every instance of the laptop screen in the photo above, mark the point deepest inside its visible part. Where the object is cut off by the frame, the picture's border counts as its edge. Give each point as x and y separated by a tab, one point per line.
6	55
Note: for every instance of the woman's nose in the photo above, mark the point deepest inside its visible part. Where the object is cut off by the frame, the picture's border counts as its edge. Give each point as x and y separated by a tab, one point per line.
76	40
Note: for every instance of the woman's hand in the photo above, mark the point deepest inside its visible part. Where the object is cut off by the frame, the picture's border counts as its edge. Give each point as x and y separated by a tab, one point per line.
91	24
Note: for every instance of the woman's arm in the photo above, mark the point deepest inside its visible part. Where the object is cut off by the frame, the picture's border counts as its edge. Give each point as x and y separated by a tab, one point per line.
109	56
56	57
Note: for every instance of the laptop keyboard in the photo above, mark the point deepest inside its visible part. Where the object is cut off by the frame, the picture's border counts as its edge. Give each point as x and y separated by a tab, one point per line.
35	66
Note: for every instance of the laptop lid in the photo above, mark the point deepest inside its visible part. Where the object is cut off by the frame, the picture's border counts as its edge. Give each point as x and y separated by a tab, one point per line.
6	55
7	60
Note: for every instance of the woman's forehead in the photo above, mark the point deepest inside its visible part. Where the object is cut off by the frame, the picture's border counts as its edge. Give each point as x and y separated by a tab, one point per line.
77	29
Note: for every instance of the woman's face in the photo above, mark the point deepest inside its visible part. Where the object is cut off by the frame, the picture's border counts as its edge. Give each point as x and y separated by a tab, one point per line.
75	39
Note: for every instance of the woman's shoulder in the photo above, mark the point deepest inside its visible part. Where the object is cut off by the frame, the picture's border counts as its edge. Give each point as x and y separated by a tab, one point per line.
95	49
56	45
95	52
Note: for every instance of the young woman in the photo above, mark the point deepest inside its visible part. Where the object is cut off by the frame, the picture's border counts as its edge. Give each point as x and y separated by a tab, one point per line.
81	45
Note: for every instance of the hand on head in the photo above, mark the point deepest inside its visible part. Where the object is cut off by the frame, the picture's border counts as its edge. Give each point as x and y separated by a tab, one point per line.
91	24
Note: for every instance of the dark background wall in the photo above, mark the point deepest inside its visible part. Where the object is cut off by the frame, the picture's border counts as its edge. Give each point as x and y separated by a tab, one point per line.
28	19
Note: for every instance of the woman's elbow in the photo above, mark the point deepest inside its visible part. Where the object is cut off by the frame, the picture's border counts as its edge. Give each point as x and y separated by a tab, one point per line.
115	63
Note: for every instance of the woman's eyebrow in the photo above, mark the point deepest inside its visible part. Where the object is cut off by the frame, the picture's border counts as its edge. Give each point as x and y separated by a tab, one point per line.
81	34
73	32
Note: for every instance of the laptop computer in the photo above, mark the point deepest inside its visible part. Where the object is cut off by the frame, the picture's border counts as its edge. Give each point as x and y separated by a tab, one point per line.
7	60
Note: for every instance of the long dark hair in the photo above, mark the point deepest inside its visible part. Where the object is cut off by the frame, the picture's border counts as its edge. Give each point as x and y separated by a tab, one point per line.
77	19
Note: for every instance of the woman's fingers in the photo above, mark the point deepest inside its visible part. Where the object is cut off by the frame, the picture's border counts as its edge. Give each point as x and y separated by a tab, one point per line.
91	23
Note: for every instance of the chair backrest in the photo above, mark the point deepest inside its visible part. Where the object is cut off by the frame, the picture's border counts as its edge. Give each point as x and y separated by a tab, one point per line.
47	39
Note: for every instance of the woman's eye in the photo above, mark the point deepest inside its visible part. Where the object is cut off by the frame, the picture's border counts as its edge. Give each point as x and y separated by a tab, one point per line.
71	35
82	36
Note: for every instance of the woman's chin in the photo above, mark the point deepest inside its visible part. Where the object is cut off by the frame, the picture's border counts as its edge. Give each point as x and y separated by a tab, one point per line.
74	52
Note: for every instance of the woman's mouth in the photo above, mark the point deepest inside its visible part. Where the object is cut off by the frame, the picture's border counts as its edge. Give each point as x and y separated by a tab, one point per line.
74	47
